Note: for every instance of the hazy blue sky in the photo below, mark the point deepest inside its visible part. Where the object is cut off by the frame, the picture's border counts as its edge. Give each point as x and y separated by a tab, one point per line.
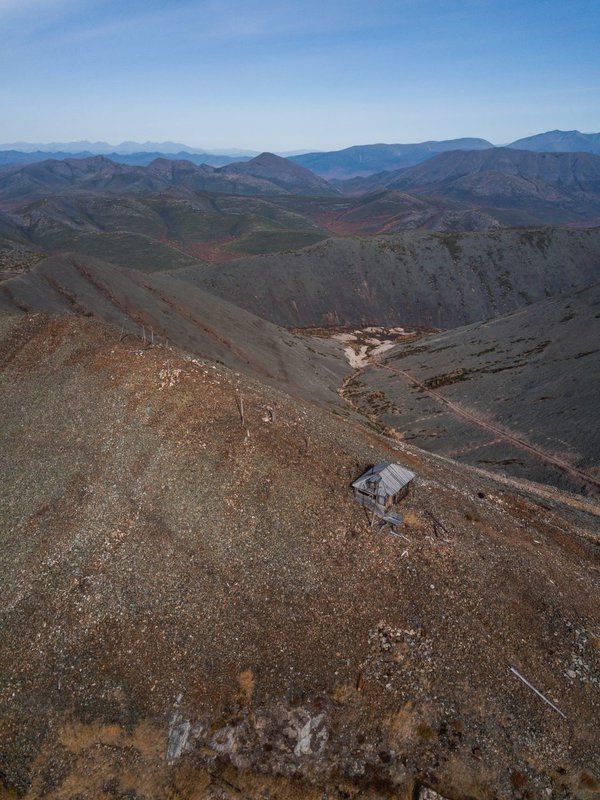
279	75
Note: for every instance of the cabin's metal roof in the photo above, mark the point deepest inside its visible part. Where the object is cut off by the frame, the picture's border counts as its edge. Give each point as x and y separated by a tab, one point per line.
390	478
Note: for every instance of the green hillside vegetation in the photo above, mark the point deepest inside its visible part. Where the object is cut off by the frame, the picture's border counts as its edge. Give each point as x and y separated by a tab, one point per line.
157	231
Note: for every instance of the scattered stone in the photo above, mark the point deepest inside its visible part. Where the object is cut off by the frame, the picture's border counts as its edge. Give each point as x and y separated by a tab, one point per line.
428	794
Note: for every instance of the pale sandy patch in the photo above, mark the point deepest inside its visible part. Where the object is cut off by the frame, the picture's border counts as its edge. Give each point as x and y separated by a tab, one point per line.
376	351
344	337
356	360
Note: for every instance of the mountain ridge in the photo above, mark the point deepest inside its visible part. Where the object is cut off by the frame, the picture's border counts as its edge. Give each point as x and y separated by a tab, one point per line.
504	182
15	157
428	280
99	172
560	142
124	148
176	313
365	159
348	162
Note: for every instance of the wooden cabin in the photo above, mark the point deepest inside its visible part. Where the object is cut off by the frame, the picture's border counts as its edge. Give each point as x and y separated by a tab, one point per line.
381	487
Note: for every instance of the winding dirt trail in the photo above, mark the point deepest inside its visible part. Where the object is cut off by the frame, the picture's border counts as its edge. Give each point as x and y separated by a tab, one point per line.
369	358
589	481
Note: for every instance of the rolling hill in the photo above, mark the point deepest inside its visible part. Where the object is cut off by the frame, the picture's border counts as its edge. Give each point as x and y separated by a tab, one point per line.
193	608
415	279
98	173
159	230
471	169
518	187
389	211
175	227
172	214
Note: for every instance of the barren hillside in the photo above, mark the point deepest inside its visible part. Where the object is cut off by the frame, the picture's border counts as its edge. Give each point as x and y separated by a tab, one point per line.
414	279
170	311
196	608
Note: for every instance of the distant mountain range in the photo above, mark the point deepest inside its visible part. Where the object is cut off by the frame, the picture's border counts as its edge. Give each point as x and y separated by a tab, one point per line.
364	160
560	142
166	215
173	213
266	174
509	187
16	157
356	161
125	148
514	186
370	158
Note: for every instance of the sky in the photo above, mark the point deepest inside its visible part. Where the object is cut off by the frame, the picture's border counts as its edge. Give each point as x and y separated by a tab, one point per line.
287	76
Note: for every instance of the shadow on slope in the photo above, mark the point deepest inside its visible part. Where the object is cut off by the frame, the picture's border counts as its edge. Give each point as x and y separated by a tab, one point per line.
181	314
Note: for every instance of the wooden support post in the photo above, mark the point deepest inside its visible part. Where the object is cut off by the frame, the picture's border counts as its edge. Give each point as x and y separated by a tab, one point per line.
239	401
436	524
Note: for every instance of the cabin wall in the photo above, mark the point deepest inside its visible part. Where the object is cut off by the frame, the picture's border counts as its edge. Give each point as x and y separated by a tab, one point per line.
370	497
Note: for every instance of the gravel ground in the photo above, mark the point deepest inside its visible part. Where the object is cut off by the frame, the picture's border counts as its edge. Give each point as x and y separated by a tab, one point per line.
195	607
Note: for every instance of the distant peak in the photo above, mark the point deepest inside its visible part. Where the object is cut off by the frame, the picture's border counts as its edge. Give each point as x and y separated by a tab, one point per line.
267	158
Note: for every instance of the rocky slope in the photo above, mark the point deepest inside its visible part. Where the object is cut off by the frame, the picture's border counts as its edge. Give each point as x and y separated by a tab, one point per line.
170	311
193	611
413	279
